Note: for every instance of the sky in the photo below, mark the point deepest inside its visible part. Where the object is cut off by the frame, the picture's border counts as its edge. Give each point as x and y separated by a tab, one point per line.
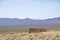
35	9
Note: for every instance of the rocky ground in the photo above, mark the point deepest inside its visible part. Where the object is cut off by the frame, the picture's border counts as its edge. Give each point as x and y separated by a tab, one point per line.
52	35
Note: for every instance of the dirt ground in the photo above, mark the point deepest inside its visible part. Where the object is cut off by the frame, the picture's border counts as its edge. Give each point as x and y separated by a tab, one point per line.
51	35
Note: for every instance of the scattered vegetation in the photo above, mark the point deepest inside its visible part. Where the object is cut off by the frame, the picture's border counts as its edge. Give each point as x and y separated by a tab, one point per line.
51	35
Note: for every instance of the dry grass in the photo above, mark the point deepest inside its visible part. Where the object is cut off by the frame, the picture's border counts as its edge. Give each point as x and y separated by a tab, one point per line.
51	35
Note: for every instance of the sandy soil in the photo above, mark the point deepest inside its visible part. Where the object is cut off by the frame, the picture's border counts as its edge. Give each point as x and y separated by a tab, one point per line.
52	35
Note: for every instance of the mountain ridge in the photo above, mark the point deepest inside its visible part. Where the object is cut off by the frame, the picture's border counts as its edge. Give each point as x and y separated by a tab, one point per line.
22	25
28	21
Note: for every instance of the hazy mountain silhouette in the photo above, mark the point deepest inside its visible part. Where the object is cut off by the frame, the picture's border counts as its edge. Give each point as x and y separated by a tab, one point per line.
15	24
28	21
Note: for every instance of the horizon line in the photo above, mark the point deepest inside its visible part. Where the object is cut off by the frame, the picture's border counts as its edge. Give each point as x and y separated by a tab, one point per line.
31	18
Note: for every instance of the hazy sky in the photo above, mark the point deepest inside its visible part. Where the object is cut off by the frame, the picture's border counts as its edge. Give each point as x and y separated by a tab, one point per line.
36	9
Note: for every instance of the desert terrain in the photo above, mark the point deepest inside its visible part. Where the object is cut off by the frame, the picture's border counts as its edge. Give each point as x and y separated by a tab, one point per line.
49	35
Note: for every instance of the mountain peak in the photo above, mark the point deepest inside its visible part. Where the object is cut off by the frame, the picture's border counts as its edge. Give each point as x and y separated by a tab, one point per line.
27	19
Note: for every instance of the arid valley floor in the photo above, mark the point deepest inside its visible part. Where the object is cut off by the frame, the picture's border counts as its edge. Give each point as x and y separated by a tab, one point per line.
50	35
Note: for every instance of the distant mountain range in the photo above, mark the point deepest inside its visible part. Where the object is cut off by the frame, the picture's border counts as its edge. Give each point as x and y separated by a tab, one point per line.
20	25
27	21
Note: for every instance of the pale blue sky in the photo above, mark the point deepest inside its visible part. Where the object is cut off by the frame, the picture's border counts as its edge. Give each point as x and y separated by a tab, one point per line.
36	9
